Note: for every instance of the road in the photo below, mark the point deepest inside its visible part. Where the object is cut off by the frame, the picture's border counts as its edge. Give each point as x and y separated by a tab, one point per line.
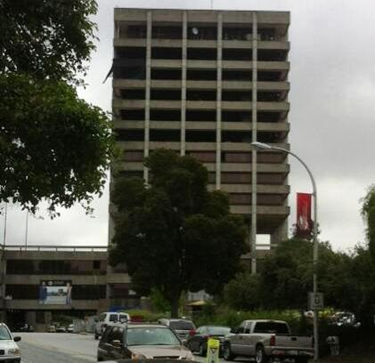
57	348
63	348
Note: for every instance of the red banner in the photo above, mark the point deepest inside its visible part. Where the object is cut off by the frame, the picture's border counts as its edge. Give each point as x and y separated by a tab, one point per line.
304	221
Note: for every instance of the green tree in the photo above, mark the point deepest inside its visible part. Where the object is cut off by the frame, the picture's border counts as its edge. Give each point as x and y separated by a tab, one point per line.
244	292
53	146
174	235
368	213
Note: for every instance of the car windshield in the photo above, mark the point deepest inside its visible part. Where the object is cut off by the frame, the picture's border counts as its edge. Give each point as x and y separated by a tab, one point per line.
151	336
4	334
218	330
181	325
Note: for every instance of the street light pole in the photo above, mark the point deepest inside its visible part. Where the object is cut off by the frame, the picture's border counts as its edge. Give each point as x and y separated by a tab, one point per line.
260	145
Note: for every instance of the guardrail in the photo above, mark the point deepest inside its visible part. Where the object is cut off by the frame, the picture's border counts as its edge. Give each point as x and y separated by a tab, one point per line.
30	248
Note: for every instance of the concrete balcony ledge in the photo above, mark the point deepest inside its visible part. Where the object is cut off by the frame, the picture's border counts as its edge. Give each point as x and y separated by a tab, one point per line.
118	278
167	43
261	210
262	168
35	305
263	189
126	42
244	146
88	279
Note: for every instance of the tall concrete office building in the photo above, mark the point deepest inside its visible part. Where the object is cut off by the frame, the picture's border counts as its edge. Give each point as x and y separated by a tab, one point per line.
207	83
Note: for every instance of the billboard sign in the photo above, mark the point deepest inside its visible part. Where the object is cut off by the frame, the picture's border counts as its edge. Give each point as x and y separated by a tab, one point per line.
55	292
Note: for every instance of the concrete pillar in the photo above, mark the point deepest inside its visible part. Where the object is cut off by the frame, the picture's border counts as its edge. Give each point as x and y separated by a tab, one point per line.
31	318
280	234
146	150
219	97
183	83
254	138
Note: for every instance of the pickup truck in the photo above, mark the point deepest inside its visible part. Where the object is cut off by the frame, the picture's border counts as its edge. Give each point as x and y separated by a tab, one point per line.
265	340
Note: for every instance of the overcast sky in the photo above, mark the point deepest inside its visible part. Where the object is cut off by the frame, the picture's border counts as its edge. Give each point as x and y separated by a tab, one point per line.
332	115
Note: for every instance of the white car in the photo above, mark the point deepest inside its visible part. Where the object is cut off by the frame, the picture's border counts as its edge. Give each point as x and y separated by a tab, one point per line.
107	319
8	346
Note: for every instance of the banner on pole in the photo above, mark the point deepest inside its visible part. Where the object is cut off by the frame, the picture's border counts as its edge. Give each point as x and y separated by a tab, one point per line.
304	222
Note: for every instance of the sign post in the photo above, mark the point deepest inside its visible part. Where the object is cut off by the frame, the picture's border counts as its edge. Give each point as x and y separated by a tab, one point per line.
316	301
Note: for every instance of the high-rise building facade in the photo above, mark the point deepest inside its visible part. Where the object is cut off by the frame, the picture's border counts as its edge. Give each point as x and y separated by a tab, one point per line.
207	83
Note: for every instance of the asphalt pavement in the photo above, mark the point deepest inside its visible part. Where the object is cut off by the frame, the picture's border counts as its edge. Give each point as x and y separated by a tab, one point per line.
63	348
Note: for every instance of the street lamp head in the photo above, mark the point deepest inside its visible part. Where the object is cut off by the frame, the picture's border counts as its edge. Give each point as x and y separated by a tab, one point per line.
260	146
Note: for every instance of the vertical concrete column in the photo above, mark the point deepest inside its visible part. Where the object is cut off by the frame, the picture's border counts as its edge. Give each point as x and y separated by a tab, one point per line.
254	138
218	97
146	150
183	83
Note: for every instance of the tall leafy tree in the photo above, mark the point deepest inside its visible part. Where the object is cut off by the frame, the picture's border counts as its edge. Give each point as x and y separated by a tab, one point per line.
174	235
368	213
53	146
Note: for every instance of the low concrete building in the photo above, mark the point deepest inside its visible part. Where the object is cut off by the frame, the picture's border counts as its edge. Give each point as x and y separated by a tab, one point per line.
39	284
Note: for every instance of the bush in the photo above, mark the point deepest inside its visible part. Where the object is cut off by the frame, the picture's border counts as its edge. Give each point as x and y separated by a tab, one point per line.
145	315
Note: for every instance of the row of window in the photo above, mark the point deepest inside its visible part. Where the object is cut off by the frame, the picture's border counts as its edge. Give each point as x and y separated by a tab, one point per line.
227	177
201	95
197	32
200	115
198	136
210	157
227	54
138	72
56	267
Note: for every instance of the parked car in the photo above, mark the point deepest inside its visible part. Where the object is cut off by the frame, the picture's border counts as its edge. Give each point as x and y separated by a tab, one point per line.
141	341
70	328
51	328
265	340
10	352
198	342
109	318
23	327
60	329
184	328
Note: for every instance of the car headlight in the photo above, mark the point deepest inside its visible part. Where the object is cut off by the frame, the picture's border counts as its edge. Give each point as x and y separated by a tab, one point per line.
14	351
138	356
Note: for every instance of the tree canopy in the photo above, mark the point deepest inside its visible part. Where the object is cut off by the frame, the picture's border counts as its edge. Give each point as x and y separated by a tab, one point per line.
368	213
175	235
53	145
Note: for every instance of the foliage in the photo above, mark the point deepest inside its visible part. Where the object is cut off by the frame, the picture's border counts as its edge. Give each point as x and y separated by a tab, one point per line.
244	291
46	39
145	315
53	146
158	301
368	214
174	235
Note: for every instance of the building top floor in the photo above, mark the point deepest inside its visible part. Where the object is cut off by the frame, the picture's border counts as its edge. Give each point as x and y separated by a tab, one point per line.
201	24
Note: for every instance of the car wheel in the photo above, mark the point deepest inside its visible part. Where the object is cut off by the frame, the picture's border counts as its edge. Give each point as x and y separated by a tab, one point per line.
227	354
201	350
260	357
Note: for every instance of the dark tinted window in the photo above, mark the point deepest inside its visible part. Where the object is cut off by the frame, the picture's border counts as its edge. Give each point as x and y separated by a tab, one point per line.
151	336
181	325
113	318
271	327
218	330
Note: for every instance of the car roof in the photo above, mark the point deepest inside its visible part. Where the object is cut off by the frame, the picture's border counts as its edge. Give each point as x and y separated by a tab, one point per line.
265	321
139	325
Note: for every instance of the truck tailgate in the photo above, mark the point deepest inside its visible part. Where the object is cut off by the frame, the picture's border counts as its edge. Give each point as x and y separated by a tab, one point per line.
297	342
